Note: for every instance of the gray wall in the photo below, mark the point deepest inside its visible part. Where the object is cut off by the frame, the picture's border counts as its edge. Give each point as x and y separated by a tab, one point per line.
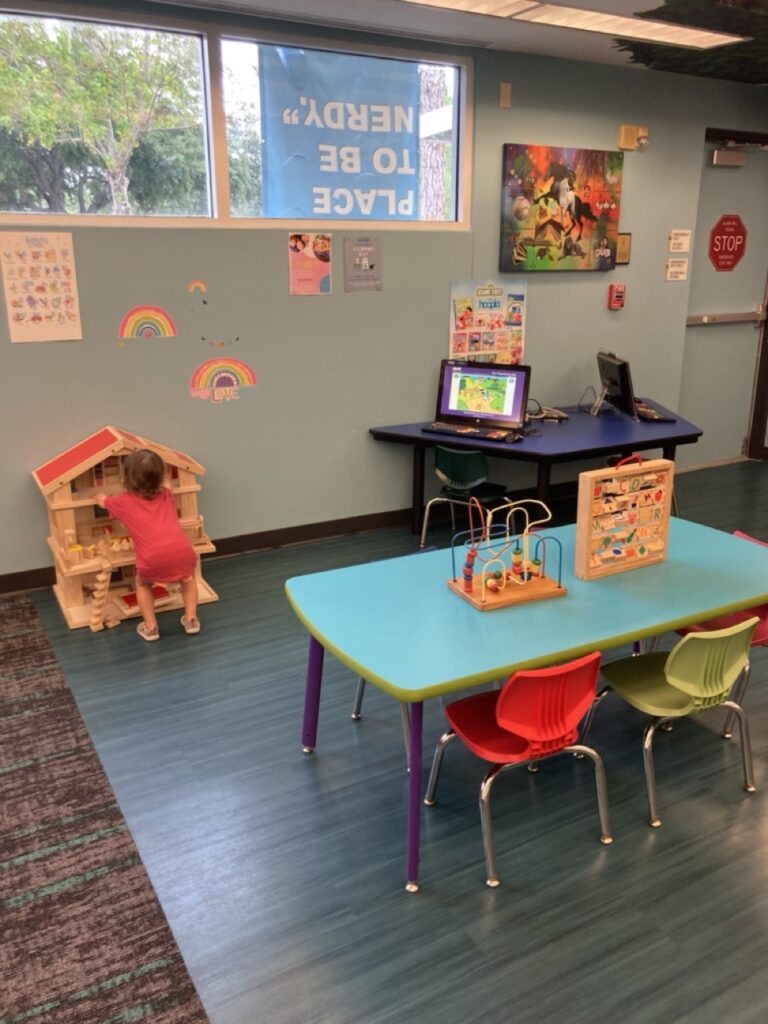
295	449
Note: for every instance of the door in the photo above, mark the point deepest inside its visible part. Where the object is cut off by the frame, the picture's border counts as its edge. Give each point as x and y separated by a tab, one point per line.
724	384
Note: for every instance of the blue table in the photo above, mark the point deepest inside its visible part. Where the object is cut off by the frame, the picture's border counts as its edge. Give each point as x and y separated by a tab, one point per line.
581	436
398	625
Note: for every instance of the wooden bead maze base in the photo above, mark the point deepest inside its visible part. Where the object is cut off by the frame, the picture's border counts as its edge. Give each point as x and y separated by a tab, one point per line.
540	589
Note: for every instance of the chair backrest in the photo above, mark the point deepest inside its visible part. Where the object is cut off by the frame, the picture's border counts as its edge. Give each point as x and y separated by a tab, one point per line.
545	705
460	469
706	665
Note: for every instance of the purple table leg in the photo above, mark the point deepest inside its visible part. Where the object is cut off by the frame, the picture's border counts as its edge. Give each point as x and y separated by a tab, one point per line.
414	798
312	695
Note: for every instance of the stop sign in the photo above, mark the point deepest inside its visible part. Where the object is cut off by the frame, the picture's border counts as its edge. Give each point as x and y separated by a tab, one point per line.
727	242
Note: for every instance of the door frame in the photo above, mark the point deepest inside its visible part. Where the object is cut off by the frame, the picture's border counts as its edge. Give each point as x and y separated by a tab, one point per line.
757	436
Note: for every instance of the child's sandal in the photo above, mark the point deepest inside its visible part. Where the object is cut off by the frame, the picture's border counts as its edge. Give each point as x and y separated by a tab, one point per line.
146	633
190	625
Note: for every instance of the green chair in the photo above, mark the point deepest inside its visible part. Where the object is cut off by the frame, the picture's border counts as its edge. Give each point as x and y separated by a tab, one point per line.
463	473
699	673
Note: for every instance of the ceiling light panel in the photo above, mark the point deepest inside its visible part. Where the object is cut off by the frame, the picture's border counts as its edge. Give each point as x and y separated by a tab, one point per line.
627	28
588	21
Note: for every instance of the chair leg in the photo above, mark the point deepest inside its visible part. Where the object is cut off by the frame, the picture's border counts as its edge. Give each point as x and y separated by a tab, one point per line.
650	775
425	524
591	716
746	745
492	878
602	789
356	712
437	760
737	696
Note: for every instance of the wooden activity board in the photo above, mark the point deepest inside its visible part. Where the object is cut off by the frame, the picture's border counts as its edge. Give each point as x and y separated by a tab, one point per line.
622	518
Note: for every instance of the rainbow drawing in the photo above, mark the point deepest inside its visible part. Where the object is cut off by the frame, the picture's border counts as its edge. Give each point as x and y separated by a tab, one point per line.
147	322
221	379
196	286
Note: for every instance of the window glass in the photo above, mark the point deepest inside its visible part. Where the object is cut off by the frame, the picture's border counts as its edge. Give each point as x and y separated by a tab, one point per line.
314	134
101	119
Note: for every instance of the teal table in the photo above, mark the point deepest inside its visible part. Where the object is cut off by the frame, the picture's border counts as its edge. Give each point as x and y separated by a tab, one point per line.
397	624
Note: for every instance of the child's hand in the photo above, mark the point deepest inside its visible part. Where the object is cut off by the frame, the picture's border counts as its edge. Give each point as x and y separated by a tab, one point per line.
101	499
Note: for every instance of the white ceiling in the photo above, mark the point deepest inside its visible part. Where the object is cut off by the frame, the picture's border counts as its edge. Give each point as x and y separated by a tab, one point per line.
407	19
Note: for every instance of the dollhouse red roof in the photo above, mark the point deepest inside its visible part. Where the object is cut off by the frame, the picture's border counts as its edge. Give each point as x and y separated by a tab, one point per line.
99	446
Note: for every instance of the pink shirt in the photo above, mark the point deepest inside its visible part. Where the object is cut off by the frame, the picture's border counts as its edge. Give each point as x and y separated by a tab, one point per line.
164	553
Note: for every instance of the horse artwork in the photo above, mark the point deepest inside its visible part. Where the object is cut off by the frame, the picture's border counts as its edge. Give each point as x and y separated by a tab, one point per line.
559	208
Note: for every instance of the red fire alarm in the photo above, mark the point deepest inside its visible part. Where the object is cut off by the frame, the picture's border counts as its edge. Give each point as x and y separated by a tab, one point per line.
616	295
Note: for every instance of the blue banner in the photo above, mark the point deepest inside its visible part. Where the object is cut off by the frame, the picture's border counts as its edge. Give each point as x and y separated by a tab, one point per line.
340	135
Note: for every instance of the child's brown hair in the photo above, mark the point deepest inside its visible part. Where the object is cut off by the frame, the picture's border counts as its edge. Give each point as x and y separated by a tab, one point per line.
144	473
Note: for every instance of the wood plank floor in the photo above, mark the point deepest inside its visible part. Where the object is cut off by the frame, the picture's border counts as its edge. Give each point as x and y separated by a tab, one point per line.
282	875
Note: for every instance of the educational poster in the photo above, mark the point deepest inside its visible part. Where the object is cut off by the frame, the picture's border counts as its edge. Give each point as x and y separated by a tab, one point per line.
40	286
309	264
362	264
487	321
559	208
220	380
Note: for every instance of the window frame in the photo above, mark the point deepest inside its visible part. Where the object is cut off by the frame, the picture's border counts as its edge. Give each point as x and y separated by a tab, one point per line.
212	34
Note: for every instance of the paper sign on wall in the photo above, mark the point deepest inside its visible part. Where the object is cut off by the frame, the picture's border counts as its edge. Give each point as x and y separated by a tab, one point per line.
40	286
309	264
677	269
362	264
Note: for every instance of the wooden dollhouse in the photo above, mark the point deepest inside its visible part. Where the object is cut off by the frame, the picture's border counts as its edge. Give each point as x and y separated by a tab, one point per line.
93	555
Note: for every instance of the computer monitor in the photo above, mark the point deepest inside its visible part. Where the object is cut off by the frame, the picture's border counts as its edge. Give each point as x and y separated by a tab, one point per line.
615	383
483	394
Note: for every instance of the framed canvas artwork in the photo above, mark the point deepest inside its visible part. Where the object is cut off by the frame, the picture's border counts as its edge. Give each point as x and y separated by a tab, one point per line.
559	208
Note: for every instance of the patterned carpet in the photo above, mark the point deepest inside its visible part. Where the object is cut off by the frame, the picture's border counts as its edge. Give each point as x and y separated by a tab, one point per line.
82	937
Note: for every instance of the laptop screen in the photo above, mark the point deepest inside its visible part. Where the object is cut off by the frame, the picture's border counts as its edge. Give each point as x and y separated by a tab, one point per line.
483	394
616	382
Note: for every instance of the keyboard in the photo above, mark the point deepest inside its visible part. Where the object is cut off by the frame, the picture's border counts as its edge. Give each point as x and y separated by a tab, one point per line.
650	414
466	430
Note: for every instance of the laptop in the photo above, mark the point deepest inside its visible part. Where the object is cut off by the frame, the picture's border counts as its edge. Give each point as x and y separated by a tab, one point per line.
616	384
483	400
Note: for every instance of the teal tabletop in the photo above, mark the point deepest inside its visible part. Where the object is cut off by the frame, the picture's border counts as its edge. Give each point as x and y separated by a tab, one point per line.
397	624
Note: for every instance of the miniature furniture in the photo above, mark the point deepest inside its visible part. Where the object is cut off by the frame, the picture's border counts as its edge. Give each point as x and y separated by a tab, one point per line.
535	716
464	474
759	637
396	623
581	436
698	673
93	556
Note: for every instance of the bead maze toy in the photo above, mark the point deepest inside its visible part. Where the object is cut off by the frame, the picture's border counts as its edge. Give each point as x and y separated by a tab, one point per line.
513	562
622	517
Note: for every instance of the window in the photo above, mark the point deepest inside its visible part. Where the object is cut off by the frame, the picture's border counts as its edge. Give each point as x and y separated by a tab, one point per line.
314	134
99	119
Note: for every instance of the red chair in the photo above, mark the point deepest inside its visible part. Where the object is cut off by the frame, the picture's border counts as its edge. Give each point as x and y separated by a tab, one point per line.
759	638
535	716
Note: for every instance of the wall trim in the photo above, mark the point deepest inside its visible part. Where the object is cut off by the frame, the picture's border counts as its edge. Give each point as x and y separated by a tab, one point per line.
42	579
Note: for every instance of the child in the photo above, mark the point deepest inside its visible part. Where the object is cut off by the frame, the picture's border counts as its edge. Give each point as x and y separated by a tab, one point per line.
164	553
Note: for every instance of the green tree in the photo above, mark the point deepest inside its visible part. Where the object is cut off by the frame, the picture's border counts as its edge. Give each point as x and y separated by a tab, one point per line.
101	88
